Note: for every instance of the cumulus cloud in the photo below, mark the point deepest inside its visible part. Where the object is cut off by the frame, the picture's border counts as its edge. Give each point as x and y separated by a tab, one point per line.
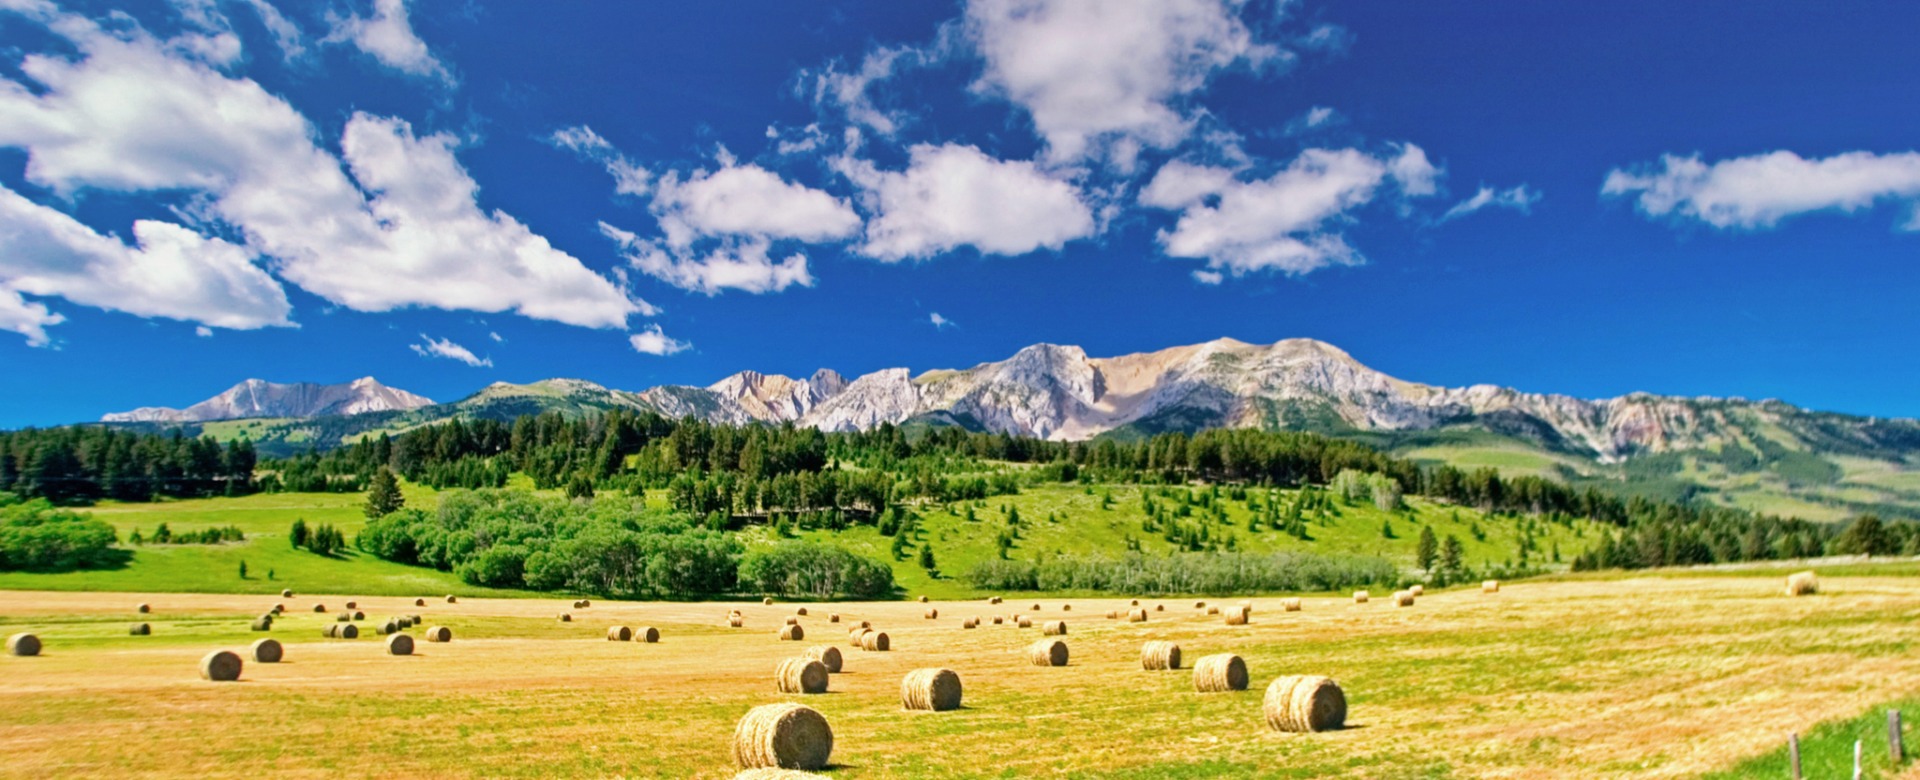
1757	192
387	35
1519	199
27	318
850	90
629	178
953	196
750	201
652	341
445	348
405	230
1288	222
169	272
1098	77
744	264
941	323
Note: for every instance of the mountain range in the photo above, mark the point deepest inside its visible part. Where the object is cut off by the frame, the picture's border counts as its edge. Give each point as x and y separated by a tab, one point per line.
1766	455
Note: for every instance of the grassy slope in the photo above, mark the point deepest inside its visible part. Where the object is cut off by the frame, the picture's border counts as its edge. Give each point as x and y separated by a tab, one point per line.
1827	749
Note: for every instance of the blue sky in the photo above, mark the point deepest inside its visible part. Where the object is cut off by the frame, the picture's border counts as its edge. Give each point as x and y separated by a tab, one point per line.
1684	198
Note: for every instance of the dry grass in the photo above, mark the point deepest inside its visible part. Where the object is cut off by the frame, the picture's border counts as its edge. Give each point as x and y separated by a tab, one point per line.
1803	583
1656	677
827	655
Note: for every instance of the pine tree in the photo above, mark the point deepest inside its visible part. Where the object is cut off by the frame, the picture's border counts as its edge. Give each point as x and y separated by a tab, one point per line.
1450	554
243	570
926	558
1427	550
383	496
298	536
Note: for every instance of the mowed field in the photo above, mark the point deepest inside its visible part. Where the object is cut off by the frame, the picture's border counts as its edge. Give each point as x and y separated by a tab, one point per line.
1645	677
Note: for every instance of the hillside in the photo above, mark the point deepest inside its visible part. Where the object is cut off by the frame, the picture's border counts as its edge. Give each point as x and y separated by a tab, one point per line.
1766	455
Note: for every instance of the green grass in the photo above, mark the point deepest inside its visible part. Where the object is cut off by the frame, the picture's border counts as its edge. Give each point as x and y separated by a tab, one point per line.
1827	750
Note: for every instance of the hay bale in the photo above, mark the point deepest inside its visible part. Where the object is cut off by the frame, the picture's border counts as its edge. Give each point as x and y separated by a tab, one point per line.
353	605
1199	605
792	621
767	601
827	655
1403	598
800	675
439	634
923	599
1036	607
220	666
1290	605
319	609
1239	616
1136	616
801	611
585	603
143	609
1803	583
262	623
932	613
23	645
399	644
140	629
1213	610
876	641
1159	607
736	621
1113	614
647	635
268	651
1220	673
866	624
388	628
1359	597
1305	702
993	600
782	736
997	620
1023	621
1048	652
619	634
278	609
286	594
1159	656
1418	590
934	690
451	599
1490	586
792	633
347	631
833	618
415	619
343	618
419	602
1133	603
1054	628
1066	607
357	615
566	618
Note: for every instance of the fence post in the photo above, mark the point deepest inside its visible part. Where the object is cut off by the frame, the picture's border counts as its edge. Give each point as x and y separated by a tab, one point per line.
1895	745
1793	754
1856	759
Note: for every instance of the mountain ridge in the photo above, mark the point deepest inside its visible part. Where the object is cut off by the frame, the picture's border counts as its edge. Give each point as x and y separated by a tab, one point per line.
260	398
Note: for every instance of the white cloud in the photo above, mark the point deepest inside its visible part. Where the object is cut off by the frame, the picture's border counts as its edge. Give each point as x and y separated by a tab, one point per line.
747	200
388	37
497	339
652	341
1207	277
941	323
743	264
629	178
24	317
1319	115
953	196
1759	191
170	271
1518	198
203	332
445	348
406	230
1092	73
1288	222
850	90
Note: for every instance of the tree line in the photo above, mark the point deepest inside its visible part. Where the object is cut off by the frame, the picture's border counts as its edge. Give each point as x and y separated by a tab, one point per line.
83	464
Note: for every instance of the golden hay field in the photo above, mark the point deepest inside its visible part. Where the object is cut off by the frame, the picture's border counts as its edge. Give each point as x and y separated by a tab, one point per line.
1666	677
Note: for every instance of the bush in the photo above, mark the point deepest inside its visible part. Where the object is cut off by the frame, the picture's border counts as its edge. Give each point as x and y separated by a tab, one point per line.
1209	574
817	570
35	536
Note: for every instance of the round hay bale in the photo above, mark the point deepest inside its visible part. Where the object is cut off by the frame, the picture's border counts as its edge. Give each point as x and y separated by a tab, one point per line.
1066	607
319	608
359	615
993	600
768	601
876	641
1036	607
934	690
268	651
1023	621
1159	607
1199	605
923	599
278	609
1238	616
1113	614
782	736
854	635
439	634
1418	590
1048	652
827	655
347	631
792	633
1305	702
1220	673
801	675
1159	656
972	622
23	645
833	618
1133	603
143	609
388	628
415	619
399	644
419	602
585	603
1490	586
262	623
1054	628
1803	583
801	611
647	635
140	629
1137	616
619	634
220	666
1213	610
932	613
343	618
566	618
1403	598
1290	605
1359	597
736	621
353	605
451	599
286	594
866	624
997	620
